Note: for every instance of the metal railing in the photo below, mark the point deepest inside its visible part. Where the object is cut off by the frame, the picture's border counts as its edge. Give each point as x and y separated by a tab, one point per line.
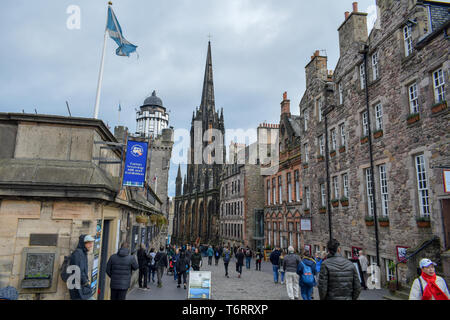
425	245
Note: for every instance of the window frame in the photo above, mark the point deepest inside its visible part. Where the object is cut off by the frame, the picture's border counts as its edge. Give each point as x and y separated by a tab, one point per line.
413	98
422	186
407	40
384	190
369	192
379	117
439	85
375	66
365	124
362	75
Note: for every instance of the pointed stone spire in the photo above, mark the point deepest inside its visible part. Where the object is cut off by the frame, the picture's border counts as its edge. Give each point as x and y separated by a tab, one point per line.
208	84
179	172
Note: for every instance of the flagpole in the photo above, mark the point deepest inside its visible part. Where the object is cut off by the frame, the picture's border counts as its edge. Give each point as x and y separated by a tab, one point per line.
100	76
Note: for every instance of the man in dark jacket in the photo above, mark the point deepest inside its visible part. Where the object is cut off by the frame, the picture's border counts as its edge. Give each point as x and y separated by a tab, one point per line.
161	263
239	261
143	260
119	268
275	259
338	278
196	260
182	266
79	258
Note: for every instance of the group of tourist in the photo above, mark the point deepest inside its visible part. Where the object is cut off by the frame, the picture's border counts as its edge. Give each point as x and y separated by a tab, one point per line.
335	276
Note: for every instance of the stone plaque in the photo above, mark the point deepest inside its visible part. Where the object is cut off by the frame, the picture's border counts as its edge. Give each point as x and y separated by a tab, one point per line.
46	240
38	270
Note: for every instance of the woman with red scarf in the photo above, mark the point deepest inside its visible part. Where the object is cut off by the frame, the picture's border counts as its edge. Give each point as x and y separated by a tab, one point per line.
429	286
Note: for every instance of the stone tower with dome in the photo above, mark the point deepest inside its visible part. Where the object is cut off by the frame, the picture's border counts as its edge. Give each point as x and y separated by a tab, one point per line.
152	117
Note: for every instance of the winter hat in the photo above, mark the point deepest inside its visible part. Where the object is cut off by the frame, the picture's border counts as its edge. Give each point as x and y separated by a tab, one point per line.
89	238
425	263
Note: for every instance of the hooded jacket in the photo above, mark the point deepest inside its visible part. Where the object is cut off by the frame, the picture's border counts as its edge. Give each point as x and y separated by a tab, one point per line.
79	258
310	263
119	268
182	264
275	257
338	279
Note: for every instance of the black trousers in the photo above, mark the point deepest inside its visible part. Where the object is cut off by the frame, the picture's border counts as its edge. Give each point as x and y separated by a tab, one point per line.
143	273
118	294
226	267
238	268
196	268
181	274
258	265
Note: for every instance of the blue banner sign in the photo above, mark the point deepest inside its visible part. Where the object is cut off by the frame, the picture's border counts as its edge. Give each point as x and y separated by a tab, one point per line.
135	164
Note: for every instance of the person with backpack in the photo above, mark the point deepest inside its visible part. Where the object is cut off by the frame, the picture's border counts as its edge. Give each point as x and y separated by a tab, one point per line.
275	260
119	268
259	257
280	267
290	264
79	258
182	266
338	278
152	267
160	263
429	286
248	257
307	271
226	260
239	261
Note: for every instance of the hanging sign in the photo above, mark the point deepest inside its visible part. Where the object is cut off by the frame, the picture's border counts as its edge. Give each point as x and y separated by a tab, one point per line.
135	164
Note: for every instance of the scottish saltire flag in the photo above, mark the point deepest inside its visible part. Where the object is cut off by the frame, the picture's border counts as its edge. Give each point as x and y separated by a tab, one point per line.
115	32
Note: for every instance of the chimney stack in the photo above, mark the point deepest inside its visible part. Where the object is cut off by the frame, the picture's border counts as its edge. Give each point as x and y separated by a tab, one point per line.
286	105
355	6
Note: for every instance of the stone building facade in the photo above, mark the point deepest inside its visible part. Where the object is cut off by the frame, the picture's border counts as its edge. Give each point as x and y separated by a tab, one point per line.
282	188
388	134
242	198
53	189
197	198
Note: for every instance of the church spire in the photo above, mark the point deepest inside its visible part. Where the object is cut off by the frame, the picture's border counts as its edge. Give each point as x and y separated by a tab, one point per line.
208	84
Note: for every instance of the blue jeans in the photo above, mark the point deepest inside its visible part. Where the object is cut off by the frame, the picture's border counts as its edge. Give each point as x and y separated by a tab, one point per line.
306	292
282	276
247	262
151	273
175	277
275	273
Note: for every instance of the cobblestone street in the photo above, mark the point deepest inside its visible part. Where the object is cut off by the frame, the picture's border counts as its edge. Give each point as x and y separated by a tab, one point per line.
253	285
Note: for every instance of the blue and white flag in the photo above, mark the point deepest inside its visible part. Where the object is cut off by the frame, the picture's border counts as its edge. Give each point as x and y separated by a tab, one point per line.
115	32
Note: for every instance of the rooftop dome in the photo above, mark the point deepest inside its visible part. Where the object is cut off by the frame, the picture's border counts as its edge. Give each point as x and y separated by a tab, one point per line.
153	100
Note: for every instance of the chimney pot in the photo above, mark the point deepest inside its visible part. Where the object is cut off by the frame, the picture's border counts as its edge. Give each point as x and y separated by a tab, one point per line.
317	53
285	95
355	6
346	15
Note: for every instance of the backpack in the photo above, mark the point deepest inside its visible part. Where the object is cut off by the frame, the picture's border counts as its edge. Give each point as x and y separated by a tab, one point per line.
307	275
227	257
63	269
217	254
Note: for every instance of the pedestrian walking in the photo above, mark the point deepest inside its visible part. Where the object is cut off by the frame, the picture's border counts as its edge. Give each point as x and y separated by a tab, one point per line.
188	252
79	258
275	260
239	261
226	260
280	267
143	259
216	255
364	264
248	257
196	260
290	264
338	279
175	257
182	268
210	253
119	268
307	272
160	263
319	257
429	286
259	257
152	266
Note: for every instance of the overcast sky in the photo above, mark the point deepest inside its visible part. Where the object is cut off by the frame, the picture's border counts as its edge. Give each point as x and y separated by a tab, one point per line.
259	50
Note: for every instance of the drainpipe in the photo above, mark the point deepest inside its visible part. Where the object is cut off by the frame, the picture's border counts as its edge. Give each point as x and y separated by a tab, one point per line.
365	52
325	113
